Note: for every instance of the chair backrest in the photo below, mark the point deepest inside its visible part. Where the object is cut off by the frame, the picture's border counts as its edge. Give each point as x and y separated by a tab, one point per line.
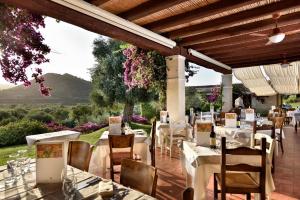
278	122
178	127
79	154
139	176
152	146
188	194
121	141
243	167
270	143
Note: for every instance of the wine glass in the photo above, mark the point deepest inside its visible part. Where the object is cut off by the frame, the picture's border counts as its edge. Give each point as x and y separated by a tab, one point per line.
68	183
13	166
24	161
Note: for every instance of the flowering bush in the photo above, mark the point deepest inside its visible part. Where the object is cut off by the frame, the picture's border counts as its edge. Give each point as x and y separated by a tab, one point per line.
214	95
53	127
139	119
138	68
89	127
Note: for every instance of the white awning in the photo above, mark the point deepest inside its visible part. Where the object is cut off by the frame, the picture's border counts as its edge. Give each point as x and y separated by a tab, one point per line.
284	80
254	80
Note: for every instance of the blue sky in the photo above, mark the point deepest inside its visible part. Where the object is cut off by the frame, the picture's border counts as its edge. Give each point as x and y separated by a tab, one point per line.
72	53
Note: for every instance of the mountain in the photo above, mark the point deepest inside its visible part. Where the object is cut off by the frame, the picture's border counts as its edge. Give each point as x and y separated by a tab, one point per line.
66	89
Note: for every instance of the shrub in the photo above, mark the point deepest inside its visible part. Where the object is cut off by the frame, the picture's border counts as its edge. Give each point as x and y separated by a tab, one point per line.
15	133
19	113
89	127
139	119
60	114
148	110
40	116
70	123
4	114
7	120
54	127
291	99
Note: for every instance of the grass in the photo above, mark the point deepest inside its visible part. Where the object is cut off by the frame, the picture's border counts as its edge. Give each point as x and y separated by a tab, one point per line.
146	127
92	138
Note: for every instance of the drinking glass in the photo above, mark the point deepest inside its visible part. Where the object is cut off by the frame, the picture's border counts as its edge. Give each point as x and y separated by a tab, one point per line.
9	178
24	161
13	166
68	183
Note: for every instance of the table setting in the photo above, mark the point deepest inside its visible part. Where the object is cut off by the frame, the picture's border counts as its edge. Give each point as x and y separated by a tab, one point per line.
100	157
74	184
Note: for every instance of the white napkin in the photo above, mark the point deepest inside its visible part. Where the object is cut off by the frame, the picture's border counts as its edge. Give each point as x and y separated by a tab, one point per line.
106	188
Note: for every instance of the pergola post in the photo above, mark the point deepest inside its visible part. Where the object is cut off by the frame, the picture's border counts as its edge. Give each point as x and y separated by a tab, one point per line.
227	92
176	87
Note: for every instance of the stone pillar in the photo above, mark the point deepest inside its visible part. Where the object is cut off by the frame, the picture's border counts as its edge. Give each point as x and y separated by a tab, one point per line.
227	92
176	87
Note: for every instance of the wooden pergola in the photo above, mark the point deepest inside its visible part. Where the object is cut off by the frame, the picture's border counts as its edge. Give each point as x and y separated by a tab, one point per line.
227	31
217	34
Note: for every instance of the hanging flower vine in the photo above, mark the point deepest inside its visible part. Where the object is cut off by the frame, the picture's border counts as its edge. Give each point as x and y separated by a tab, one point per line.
138	68
21	45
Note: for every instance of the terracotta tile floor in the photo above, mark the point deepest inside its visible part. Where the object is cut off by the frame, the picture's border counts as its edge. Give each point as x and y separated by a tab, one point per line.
171	181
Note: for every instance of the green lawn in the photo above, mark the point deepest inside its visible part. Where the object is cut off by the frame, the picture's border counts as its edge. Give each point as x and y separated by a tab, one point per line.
92	138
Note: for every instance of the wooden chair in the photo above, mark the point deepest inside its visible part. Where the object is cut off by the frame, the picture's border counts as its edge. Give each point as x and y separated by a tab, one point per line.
221	120
119	142
278	123
188	194
152	145
79	154
139	176
270	146
241	182
178	132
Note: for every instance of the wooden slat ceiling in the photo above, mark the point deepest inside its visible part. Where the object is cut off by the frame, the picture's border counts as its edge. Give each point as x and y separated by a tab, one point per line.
220	29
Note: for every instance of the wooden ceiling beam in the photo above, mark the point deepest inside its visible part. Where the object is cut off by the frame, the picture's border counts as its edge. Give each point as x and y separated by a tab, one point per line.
148	8
285	20
202	12
270	61
256	54
97	3
57	11
231	20
256	45
239	40
278	55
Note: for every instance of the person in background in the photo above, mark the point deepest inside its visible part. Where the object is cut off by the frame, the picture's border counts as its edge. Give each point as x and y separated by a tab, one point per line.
239	103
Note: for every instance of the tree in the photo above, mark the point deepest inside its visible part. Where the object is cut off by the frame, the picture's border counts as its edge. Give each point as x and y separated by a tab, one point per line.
108	80
21	45
81	113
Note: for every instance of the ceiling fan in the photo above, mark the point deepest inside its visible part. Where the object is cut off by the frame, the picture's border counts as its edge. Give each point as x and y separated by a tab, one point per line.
276	36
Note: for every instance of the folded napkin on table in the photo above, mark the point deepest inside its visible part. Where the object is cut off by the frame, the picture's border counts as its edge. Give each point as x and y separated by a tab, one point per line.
106	188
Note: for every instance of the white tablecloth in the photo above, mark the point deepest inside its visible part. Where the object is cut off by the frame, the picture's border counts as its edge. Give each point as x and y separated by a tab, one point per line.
100	156
202	162
295	116
60	135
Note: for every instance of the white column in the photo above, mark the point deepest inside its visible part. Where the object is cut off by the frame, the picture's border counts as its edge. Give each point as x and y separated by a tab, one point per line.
227	92
176	87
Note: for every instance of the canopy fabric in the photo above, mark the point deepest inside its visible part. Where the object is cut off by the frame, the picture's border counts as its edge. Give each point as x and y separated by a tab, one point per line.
254	80
284	80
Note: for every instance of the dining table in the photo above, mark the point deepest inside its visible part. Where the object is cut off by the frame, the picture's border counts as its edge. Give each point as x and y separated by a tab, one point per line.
88	187
100	161
201	162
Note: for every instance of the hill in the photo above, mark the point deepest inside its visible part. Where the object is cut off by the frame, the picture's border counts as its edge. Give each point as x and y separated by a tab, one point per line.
66	89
